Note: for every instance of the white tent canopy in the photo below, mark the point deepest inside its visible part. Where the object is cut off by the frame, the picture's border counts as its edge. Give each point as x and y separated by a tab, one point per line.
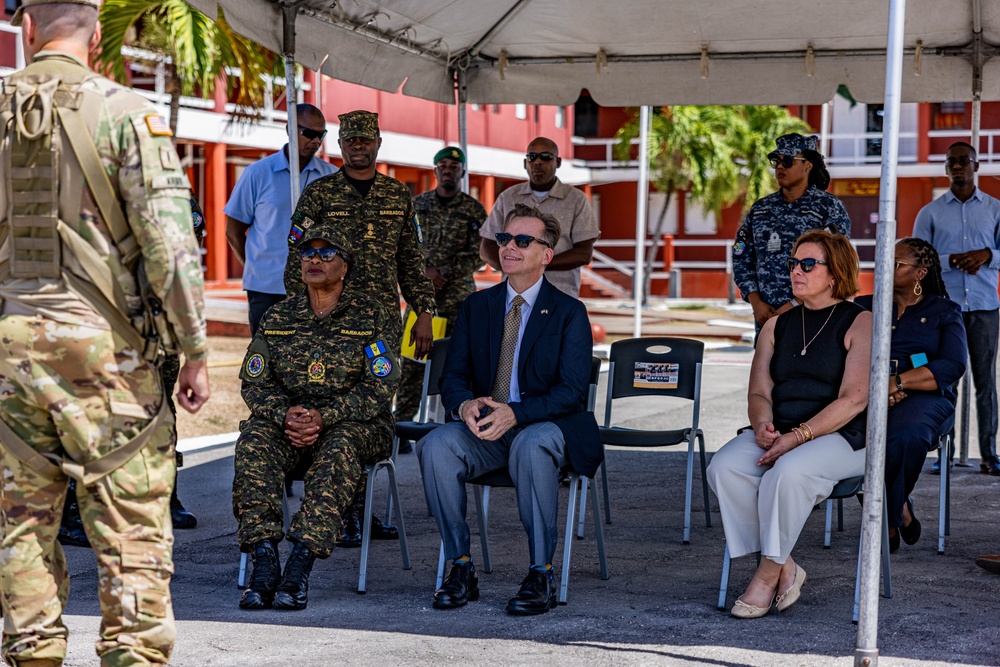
631	52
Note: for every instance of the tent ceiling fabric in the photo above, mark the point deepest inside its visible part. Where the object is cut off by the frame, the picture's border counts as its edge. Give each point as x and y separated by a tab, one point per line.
631	52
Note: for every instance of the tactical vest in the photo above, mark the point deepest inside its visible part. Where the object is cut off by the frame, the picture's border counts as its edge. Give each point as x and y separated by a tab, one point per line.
47	123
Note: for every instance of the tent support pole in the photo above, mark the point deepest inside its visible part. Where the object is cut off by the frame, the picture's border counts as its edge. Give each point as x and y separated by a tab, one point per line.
463	126
866	646
642	203
288	14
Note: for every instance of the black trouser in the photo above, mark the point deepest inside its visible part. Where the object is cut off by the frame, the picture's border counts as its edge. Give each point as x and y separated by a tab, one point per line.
258	303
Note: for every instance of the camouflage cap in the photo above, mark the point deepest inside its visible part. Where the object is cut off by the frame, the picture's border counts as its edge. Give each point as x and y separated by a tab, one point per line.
332	235
16	19
793	144
358	124
450	152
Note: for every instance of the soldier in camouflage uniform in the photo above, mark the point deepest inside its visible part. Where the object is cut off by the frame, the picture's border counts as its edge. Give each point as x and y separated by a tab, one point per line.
318	378
375	213
81	395
773	224
450	220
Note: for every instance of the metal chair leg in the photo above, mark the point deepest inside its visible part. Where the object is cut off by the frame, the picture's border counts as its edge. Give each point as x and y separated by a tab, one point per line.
688	483
943	491
599	532
607	496
724	581
482	495
393	492
829	523
241	579
367	530
574	485
440	575
584	487
704	480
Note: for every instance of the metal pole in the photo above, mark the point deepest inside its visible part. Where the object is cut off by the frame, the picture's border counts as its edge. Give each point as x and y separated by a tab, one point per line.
866	646
824	130
463	127
288	14
642	203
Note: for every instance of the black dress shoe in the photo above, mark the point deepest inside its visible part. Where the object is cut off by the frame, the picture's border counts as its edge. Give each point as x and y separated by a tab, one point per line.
179	516
264	579
460	586
911	533
350	535
294	587
536	596
990	467
894	542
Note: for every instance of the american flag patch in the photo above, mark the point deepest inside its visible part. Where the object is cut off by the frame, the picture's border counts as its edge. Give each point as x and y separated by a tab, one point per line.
157	126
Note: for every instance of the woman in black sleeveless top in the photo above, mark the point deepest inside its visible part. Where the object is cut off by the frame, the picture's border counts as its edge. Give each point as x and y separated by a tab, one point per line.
807	399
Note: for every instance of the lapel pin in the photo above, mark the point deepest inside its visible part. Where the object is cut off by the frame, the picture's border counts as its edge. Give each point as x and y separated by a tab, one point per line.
545	311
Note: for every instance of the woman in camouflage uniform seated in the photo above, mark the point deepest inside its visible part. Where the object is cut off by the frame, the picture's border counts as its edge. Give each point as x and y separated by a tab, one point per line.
318	380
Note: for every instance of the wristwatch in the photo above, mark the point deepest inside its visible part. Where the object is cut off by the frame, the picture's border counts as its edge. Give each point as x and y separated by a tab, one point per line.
899	382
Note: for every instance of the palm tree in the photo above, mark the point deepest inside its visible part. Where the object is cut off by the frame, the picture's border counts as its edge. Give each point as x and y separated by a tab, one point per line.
716	153
195	50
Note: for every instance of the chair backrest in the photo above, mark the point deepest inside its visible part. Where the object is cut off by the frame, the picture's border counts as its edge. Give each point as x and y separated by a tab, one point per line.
432	375
656	366
595	378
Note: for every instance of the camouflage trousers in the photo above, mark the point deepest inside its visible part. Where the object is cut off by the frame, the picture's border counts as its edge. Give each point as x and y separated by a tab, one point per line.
411	383
80	392
333	467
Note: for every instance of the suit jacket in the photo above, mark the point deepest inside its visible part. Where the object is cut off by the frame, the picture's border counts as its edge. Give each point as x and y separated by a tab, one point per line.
553	366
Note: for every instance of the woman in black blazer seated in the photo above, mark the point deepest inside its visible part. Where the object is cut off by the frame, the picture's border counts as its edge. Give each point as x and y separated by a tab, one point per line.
927	358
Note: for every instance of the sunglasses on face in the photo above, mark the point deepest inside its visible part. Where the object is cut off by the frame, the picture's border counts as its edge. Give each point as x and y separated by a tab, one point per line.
960	161
545	157
785	161
520	240
326	254
312	134
807	264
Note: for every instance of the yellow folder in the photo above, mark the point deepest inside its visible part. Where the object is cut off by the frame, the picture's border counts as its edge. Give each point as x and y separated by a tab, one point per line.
438	326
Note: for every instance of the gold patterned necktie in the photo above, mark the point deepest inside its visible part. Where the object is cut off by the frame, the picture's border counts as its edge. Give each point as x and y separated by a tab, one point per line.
511	327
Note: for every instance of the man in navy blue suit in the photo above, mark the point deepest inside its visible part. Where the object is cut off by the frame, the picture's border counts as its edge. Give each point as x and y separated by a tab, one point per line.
515	388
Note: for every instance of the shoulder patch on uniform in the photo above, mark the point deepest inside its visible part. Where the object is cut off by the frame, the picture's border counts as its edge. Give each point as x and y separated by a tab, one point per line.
739	248
255	365
381	367
375	349
157	126
295	234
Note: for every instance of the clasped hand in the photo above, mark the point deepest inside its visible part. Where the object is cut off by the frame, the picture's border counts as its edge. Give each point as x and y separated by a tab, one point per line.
773	443
971	261
303	426
492	426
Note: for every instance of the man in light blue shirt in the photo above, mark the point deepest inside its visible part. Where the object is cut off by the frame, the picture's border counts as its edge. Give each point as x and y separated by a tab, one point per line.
259	213
963	225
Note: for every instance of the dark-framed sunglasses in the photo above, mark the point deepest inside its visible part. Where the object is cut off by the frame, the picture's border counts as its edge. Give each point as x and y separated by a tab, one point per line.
785	161
326	253
807	264
520	240
545	157
959	161
312	134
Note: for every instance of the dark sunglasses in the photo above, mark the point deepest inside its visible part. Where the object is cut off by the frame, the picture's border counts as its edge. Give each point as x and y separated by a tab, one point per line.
545	157
326	254
785	161
808	264
312	134
960	161
521	240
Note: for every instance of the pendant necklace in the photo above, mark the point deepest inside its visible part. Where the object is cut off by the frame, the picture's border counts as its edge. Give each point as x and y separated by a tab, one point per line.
805	345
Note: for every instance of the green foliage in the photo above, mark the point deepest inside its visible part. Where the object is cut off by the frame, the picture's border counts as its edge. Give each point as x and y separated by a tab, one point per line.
717	153
199	50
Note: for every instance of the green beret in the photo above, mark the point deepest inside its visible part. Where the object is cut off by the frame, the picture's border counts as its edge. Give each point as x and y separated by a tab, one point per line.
450	152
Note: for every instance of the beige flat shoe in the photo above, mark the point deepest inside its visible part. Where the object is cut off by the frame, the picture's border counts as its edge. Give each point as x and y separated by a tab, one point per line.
791	596
743	610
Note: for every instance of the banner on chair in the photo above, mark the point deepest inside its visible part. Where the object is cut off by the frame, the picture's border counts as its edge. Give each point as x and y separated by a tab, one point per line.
655	376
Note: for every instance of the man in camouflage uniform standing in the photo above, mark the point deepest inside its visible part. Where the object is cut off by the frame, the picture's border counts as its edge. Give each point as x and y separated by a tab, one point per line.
318	378
375	213
450	220
81	394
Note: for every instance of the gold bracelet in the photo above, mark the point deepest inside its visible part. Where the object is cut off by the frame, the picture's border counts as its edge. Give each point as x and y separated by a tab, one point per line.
807	431
799	435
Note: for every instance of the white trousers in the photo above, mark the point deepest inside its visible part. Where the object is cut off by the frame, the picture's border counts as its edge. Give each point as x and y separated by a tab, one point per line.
764	507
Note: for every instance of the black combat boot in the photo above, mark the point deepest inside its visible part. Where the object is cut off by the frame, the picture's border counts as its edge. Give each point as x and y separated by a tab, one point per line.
265	577
179	516
71	533
294	586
